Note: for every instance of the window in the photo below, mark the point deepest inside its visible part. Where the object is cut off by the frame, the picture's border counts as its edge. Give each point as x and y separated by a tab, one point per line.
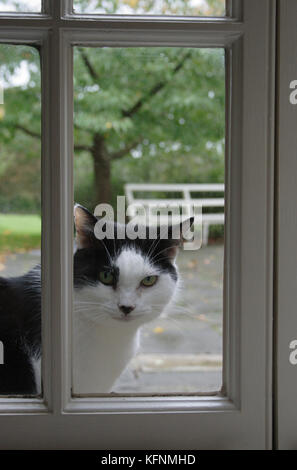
155	116
145	7
20	6
20	219
239	414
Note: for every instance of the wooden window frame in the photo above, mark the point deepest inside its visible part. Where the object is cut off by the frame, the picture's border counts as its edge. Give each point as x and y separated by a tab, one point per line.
240	417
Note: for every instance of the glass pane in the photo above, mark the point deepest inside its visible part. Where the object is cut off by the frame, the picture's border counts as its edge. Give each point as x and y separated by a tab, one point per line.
148	312
29	6
152	7
20	221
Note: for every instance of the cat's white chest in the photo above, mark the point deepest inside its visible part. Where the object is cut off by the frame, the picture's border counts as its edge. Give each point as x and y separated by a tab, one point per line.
100	354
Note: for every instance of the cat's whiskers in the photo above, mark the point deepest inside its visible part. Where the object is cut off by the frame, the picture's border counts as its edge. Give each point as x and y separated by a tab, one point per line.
114	248
85	302
163	258
158	254
107	251
153	246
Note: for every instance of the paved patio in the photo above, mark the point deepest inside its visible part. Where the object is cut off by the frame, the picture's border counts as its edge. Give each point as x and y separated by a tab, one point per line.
183	352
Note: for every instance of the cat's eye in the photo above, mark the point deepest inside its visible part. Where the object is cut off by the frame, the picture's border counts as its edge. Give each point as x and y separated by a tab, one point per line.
106	277
149	281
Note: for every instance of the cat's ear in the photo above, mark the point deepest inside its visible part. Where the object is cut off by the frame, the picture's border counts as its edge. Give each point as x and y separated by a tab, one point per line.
84	225
176	237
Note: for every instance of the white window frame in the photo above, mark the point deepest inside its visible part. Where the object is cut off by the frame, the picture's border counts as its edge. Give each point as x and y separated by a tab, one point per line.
240	417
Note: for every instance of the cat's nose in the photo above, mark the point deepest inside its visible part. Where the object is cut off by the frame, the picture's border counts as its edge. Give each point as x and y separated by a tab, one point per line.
126	309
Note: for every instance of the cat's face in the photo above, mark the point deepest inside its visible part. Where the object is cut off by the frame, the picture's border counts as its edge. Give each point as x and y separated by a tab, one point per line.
120	280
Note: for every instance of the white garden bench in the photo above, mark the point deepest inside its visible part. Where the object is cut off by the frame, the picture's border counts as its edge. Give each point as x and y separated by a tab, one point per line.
185	190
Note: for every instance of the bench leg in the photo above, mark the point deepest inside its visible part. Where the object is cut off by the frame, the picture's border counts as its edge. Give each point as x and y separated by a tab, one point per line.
205	234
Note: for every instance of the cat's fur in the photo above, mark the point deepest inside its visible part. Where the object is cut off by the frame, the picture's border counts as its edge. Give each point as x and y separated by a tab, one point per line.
105	328
20	332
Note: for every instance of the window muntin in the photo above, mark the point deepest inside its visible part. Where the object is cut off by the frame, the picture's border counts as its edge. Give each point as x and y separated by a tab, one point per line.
169	102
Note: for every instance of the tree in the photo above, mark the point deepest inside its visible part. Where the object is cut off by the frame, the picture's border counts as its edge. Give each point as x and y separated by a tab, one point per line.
131	105
132	100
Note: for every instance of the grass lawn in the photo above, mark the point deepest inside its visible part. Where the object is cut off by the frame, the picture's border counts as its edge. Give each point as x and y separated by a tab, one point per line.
19	232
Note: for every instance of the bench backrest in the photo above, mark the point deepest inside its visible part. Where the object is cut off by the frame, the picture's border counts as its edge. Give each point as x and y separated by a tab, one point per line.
186	202
185	190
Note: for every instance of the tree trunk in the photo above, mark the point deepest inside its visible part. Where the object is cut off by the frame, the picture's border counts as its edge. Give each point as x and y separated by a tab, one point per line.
102	171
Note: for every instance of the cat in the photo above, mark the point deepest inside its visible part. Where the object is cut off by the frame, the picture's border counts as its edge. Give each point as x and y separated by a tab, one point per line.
119	285
20	333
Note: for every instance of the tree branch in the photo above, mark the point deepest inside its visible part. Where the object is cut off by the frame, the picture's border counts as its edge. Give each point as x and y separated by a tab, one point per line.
36	135
78	148
121	153
156	89
92	72
82	148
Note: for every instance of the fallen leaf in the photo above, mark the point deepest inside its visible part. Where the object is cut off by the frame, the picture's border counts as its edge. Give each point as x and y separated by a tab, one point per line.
192	264
202	317
158	330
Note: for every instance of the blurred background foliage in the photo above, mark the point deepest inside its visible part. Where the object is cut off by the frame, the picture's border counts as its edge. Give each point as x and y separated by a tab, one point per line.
147	115
141	115
152	7
20	123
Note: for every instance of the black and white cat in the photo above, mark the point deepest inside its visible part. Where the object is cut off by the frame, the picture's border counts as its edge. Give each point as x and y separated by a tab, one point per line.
119	285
